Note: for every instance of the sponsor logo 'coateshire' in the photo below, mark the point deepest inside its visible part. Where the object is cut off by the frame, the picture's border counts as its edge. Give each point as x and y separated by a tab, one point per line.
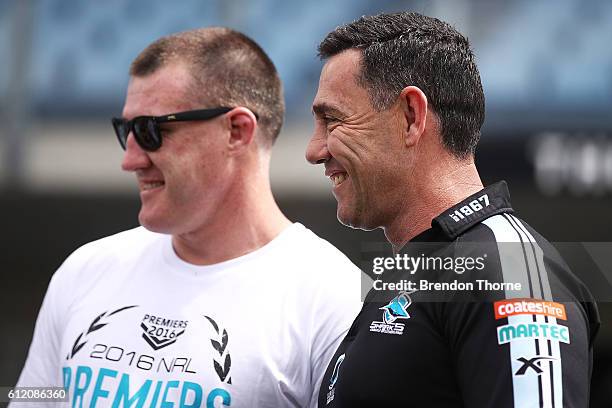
512	307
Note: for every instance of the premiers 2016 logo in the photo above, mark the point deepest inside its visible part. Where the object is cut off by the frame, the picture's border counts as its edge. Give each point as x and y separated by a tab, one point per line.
160	332
394	310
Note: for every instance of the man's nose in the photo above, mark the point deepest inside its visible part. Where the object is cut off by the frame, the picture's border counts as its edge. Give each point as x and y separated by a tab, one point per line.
134	158
316	151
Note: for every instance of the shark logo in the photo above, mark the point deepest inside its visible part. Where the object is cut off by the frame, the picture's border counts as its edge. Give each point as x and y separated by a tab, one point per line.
396	309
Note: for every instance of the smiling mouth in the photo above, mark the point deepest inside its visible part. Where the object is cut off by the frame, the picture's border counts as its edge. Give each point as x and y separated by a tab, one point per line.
151	185
338	178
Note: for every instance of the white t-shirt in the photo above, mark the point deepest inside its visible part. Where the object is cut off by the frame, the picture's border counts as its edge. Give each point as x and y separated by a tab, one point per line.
125	322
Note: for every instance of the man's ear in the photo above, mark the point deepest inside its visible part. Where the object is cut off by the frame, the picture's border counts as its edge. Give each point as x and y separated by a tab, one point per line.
243	126
413	103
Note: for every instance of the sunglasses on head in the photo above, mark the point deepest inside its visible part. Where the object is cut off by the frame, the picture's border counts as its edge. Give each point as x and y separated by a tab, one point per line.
146	128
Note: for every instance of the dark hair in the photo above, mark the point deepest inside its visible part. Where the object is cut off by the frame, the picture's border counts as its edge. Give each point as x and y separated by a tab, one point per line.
228	68
403	49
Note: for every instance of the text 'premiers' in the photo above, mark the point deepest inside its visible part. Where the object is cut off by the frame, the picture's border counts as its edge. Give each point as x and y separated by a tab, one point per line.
113	388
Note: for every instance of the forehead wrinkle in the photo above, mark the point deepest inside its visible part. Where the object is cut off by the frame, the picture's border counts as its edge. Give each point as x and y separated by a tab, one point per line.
325	108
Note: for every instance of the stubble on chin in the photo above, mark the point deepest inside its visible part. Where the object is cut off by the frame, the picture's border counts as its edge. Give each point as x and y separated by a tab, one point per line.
349	217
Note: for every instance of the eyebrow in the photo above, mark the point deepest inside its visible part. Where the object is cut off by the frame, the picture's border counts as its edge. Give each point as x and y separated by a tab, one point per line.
323	109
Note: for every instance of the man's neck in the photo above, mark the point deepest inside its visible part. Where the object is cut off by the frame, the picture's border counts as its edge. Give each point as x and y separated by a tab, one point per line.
245	226
435	193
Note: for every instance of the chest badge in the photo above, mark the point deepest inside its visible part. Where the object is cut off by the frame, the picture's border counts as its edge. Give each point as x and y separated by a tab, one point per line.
396	309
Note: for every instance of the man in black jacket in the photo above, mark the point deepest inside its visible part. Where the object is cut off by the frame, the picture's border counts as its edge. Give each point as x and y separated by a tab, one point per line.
398	115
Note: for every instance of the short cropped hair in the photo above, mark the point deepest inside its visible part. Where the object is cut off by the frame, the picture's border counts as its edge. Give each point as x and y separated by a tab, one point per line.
403	49
228	69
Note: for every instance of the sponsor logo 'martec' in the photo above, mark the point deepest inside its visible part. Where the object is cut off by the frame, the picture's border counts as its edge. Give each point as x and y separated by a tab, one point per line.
547	331
512	307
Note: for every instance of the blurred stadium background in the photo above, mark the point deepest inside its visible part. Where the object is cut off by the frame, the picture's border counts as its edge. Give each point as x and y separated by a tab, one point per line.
546	68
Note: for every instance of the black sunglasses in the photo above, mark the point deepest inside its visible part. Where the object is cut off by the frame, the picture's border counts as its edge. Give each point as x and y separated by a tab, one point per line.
146	128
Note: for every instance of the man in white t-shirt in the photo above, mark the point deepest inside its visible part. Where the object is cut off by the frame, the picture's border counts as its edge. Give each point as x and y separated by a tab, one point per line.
219	300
